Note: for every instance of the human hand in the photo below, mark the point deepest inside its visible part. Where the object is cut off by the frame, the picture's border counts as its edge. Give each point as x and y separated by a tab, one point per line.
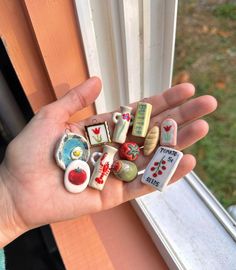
32	191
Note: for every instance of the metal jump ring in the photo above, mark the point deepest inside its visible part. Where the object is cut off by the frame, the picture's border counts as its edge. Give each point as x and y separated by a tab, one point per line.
144	99
94	121
67	131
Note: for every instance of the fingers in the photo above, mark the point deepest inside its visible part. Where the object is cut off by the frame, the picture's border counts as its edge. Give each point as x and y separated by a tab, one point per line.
168	99
191	133
190	110
75	100
137	188
187	164
171	97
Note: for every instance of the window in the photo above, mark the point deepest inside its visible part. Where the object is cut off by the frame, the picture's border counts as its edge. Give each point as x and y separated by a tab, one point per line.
134	58
205	55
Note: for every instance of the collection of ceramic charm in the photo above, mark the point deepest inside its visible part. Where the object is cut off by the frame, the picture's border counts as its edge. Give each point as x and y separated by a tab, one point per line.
73	151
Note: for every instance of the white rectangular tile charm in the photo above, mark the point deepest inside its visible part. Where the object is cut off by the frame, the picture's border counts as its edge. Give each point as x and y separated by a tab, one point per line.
161	167
98	133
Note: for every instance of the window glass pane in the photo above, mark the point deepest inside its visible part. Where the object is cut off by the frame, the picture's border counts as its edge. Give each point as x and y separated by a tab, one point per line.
206	56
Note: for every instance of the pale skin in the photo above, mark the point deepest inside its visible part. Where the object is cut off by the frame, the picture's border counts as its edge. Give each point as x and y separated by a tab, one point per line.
31	187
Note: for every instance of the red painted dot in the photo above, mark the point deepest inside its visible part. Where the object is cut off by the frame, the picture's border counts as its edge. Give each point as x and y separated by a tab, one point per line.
163	162
152	169
159	172
156	163
163	167
154	175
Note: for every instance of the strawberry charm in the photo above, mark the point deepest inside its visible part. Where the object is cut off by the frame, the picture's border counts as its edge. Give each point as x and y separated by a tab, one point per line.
129	151
77	176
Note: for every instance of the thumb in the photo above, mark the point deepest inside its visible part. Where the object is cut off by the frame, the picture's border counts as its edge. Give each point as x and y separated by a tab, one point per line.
76	99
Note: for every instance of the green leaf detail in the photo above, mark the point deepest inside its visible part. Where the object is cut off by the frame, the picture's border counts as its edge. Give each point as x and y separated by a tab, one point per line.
134	150
98	138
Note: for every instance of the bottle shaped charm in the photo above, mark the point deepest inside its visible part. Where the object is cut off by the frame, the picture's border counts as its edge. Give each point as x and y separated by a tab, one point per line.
102	166
122	120
168	132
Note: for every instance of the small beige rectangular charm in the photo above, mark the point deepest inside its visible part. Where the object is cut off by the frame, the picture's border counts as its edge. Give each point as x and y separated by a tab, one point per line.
142	119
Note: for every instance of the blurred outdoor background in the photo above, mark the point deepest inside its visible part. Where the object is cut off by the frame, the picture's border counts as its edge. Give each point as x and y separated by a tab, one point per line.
206	56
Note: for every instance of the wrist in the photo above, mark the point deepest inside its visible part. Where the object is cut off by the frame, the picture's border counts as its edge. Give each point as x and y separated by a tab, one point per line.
10	228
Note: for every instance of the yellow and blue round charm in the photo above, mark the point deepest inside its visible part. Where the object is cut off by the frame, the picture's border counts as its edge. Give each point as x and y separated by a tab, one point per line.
71	147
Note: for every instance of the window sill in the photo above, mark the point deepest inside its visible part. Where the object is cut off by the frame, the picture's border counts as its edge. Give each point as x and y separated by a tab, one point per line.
189	226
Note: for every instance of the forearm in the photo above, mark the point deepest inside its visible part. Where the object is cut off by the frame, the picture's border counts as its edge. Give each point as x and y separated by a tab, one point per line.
9	229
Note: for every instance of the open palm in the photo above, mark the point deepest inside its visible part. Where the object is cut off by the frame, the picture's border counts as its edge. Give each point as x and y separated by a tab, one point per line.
35	183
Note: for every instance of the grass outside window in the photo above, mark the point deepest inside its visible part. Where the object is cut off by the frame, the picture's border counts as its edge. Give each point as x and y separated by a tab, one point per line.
206	56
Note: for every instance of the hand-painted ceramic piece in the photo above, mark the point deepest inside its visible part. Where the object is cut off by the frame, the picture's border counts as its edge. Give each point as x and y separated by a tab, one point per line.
98	133
161	167
122	120
142	119
102	166
151	141
168	132
125	170
129	151
77	176
71	147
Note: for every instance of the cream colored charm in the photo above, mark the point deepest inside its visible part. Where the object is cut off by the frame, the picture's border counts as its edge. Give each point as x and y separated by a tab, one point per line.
142	119
102	166
161	167
122	120
151	141
168	132
77	176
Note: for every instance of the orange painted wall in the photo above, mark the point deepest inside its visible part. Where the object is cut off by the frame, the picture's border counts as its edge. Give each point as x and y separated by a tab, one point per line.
57	36
18	39
126	241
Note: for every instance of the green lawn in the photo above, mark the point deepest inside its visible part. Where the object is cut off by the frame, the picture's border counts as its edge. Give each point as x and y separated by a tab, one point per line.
206	54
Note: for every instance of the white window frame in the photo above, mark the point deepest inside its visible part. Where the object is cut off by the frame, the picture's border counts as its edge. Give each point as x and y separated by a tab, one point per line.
130	45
